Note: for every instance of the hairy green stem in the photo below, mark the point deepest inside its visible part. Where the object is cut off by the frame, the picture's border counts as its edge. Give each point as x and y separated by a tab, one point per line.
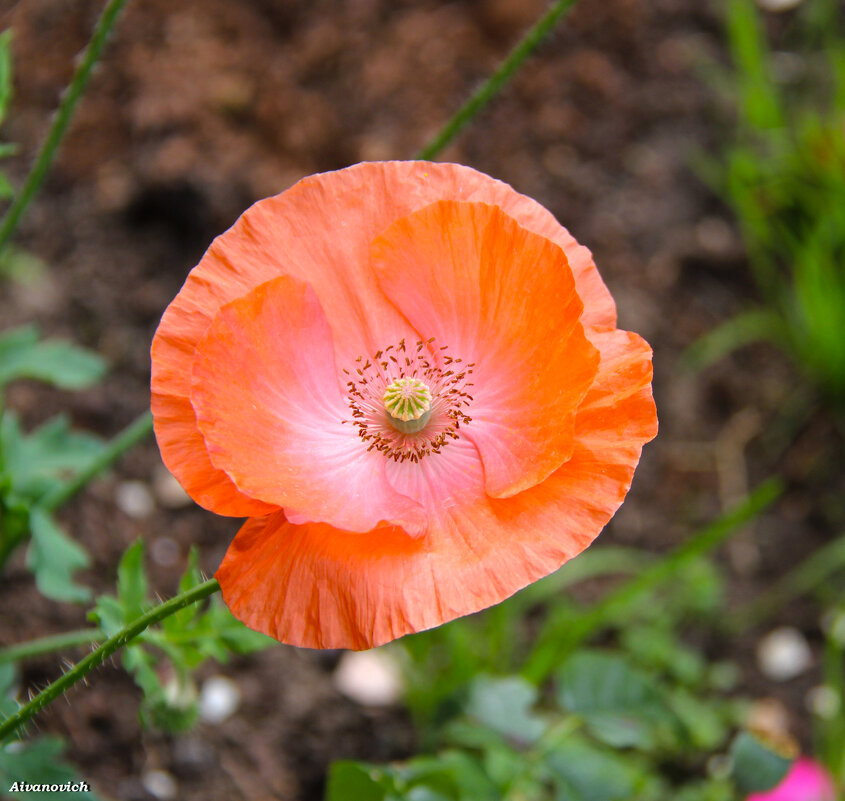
591	620
138	430
485	93
82	668
46	645
61	121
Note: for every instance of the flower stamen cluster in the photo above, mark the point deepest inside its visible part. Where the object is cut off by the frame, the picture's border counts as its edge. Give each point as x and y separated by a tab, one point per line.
405	404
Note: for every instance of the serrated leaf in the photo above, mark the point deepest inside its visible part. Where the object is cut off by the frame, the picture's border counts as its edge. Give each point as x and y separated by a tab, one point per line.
54	557
504	705
620	705
108	614
39	762
40	461
53	361
132	585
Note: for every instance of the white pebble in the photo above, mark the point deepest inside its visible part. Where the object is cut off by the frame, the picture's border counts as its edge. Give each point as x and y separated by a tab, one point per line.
783	654
134	498
168	490
778	5
823	701
160	783
220	698
165	551
371	678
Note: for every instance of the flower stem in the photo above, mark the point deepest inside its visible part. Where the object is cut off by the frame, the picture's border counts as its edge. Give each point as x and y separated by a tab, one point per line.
485	93
61	121
46	645
82	668
134	433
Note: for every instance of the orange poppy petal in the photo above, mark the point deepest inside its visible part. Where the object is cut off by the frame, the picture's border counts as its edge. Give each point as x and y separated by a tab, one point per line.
319	587
179	438
299	233
504	299
269	404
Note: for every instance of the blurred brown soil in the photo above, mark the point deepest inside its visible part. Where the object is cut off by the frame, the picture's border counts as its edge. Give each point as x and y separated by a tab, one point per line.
200	108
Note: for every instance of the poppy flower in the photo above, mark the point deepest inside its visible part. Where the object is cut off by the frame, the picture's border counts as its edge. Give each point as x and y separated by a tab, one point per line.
409	378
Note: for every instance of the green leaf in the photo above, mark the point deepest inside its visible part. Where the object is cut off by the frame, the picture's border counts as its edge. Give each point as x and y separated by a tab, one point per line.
162	658
40	461
504	705
356	780
54	558
583	772
108	615
132	585
5	72
233	634
757	765
53	361
620	705
470	779
39	762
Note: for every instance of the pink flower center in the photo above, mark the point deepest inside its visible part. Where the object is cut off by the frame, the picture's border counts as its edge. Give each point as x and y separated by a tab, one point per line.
404	404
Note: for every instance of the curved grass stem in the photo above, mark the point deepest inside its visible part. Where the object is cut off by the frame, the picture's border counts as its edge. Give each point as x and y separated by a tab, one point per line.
506	70
60	123
82	668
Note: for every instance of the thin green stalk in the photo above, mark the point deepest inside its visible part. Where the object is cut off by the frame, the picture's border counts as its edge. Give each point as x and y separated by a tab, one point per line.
46	645
61	121
82	668
485	93
135	432
802	580
545	657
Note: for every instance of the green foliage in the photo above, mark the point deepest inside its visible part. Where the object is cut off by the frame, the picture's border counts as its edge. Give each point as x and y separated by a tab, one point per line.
620	706
6	149
54	557
37	463
54	361
31	466
607	734
36	761
784	177
34	465
757	765
638	720
504	705
162	659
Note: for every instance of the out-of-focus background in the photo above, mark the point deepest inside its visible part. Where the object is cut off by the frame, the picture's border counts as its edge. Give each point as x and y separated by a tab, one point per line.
639	124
